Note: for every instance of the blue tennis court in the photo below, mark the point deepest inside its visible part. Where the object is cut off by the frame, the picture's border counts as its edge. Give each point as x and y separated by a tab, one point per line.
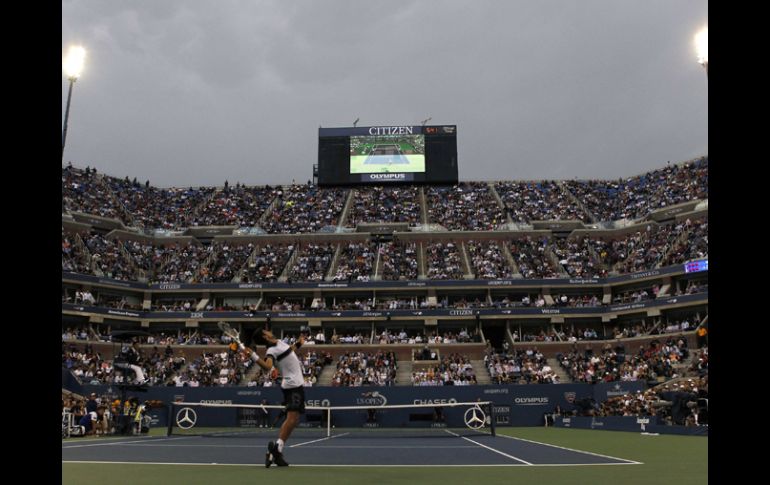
354	447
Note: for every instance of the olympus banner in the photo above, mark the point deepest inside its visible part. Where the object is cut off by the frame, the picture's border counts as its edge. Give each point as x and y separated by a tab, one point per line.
387	177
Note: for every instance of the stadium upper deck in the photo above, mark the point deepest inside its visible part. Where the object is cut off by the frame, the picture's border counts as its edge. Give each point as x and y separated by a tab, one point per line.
504	253
433	242
468	206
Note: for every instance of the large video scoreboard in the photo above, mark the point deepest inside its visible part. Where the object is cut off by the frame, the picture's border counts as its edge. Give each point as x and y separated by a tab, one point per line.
387	154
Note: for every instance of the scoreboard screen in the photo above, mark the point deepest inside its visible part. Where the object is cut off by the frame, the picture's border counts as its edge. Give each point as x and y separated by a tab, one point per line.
387	154
695	266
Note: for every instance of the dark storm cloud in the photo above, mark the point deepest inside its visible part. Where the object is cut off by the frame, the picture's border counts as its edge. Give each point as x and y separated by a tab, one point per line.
197	92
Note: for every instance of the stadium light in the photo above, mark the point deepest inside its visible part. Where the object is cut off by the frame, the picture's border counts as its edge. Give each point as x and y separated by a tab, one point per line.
702	48
425	121
73	67
356	122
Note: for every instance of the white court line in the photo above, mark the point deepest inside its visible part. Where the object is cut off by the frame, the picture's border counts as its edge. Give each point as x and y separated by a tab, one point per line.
392	447
89	440
118	443
629	462
153	445
335	466
321	439
489	448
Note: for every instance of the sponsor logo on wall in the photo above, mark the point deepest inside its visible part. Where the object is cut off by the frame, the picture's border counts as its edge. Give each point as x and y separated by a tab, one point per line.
318	403
531	401
503	414
373	398
495	391
451	400
617	390
249	393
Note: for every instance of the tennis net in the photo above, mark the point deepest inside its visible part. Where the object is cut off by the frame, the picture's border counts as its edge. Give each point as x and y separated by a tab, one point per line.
397	420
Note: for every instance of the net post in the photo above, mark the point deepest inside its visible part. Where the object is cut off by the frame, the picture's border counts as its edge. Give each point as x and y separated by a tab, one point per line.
328	422
67	423
493	419
170	418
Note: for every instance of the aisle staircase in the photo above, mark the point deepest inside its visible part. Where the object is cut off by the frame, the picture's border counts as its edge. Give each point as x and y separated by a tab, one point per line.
482	373
559	370
326	375
404	373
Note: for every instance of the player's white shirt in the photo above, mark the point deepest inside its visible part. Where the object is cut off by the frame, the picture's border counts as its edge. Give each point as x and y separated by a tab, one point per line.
289	366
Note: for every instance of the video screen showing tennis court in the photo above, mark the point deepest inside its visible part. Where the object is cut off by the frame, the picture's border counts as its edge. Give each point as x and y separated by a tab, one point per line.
387	154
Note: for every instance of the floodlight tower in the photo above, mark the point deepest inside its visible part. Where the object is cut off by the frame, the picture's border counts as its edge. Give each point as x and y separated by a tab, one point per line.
73	66
702	48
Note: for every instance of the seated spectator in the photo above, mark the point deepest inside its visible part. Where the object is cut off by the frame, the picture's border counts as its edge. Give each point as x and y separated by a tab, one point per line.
538	201
356	262
533	259
399	261
577	259
444	261
304	209
454	369
636	197
385	205
487	260
356	369
313	262
468	206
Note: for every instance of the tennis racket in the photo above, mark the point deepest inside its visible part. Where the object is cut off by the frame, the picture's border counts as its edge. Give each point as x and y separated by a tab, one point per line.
231	332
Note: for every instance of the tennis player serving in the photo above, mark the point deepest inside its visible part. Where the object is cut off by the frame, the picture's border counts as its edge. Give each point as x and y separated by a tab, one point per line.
282	356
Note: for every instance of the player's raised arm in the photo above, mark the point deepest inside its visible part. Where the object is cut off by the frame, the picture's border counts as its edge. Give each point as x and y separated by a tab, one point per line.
299	343
266	363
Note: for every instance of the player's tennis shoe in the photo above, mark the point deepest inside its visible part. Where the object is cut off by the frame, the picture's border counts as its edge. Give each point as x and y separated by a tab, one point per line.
269	454
277	455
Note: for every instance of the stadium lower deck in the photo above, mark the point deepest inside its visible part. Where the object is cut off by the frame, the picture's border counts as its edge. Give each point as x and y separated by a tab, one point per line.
350	448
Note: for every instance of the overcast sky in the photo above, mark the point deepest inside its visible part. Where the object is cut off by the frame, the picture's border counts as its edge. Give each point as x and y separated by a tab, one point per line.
196	92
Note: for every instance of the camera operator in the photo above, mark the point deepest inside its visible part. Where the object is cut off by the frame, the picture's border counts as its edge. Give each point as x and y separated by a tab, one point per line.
679	399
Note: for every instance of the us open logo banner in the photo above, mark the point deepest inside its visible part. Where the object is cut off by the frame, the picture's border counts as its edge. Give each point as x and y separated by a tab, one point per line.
373	398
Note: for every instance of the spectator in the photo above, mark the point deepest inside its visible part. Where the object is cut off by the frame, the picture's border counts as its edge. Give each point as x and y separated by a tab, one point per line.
488	261
467	206
444	261
399	261
385	205
538	201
